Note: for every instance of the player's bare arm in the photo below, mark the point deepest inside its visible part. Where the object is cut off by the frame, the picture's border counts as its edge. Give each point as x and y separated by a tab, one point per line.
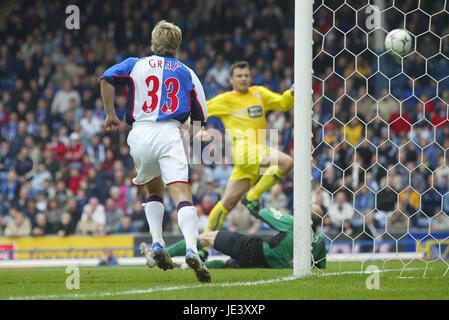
108	95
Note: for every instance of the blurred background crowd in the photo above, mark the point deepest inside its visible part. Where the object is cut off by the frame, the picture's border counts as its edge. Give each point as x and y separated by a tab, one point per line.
62	173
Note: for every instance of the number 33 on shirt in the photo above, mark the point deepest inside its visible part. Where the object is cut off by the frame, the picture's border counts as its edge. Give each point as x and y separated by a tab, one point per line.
160	88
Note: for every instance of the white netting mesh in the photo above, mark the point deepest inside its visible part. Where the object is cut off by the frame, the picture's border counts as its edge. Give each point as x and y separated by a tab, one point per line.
381	132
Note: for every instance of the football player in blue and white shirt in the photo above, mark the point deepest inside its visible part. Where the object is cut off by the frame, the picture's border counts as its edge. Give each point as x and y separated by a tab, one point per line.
163	94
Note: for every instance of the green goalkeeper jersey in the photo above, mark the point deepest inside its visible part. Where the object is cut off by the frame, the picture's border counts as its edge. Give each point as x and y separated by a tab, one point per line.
278	251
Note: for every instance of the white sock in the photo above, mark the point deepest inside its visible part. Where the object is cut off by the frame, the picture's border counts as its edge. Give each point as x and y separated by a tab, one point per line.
188	223
154	211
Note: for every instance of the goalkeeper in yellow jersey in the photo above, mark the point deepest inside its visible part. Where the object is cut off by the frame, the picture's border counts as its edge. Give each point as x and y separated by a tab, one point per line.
242	112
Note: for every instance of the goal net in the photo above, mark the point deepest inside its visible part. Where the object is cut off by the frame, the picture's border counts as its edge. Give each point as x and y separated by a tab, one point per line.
381	134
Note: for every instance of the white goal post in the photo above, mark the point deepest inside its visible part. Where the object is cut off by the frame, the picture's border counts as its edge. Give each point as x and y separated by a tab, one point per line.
302	137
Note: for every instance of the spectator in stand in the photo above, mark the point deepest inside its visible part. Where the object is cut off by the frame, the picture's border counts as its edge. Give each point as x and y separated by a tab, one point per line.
211	192
90	124
125	225
61	102
138	218
50	162
23	165
431	200
330	179
10	187
119	197
206	204
108	259
75	180
42	174
53	212
220	72
95	150
321	198
88	226
113	215
66	226
386	201
203	219
123	183
97	209
440	222
364	200
75	152
74	210
42	112
19	138
108	163
398	221
400	124
20	202
31	210
387	106
41	227
19	226
418	179
341	211
57	146
62	193
42	201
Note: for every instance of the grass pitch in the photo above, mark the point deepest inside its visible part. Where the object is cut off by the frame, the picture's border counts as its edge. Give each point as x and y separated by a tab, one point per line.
338	281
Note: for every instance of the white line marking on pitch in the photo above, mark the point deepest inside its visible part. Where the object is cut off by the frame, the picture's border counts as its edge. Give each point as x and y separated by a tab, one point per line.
175	288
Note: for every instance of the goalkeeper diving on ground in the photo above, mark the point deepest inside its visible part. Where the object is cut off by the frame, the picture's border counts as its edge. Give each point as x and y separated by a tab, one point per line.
252	251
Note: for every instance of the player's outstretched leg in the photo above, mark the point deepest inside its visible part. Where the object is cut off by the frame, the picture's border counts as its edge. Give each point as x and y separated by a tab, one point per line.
194	261
280	164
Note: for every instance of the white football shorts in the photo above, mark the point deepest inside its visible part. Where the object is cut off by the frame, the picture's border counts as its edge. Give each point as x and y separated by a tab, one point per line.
158	149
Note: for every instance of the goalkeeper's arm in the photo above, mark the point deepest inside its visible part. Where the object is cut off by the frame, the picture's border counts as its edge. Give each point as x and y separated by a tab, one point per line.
277	220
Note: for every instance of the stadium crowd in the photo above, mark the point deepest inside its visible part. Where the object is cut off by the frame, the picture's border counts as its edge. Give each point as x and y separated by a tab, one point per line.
62	173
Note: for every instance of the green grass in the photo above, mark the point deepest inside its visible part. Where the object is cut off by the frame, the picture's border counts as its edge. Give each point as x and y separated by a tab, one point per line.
231	284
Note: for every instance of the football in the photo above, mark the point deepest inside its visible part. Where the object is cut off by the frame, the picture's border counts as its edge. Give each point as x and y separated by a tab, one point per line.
398	41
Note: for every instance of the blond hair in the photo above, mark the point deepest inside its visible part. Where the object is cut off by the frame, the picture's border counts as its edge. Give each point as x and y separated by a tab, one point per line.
166	38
